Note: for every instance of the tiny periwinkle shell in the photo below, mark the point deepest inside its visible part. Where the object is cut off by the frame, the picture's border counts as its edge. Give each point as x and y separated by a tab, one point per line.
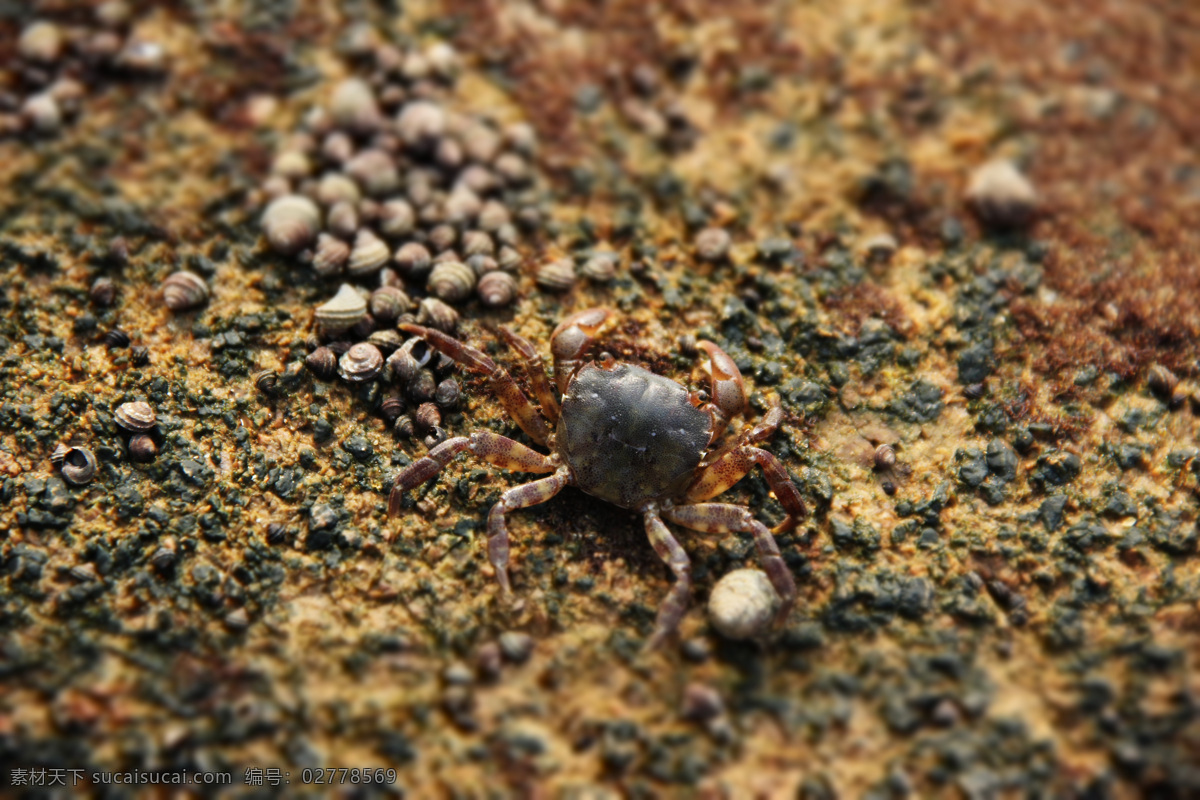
291	223
452	281
712	244
184	290
345	310
330	256
369	254
601	267
322	362
374	170
497	289
136	416
413	259
447	394
60	452
353	106
42	41
436	314
557	276
742	604
103	292
342	219
361	363
397	218
143	449
420	123
388	303
78	466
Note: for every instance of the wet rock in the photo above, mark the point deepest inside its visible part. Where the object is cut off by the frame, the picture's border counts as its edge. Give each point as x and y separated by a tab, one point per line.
1002	460
359	447
1051	512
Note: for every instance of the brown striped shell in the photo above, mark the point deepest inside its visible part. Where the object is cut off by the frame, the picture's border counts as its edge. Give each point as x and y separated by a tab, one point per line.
362	362
451	281
421	123
345	310
389	302
184	290
374	170
136	416
291	222
322	362
369	254
497	289
601	267
336	187
436	314
330	256
142	448
78	466
353	106
557	276
397	218
342	219
413	259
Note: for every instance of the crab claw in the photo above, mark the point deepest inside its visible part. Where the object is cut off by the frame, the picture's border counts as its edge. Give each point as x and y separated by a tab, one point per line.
571	339
728	391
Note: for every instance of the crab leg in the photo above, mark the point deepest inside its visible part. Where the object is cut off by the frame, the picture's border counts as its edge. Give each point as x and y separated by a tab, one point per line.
510	395
491	447
523	496
732	466
728	391
675	604
571	340
536	373
722	518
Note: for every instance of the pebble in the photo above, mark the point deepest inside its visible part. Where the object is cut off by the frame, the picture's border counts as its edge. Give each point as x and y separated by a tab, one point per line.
712	244
1001	195
516	646
742	604
701	702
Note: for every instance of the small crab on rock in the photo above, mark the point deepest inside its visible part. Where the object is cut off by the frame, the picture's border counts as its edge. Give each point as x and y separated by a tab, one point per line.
625	435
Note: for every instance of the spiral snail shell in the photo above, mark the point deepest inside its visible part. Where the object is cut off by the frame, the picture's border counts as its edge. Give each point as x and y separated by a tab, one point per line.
322	362
330	256
370	253
184	290
397	218
452	281
353	106
374	170
388	303
136	416
601	267
78	466
362	362
436	314
497	289
291	222
413	259
557	276
345	310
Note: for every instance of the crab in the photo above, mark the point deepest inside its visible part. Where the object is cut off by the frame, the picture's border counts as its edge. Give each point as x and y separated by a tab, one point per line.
625	435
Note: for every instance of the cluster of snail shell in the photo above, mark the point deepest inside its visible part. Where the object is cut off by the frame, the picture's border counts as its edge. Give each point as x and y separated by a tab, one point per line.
388	184
56	62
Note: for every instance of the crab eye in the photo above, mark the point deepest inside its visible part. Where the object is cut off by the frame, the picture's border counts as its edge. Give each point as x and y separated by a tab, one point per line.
607	361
